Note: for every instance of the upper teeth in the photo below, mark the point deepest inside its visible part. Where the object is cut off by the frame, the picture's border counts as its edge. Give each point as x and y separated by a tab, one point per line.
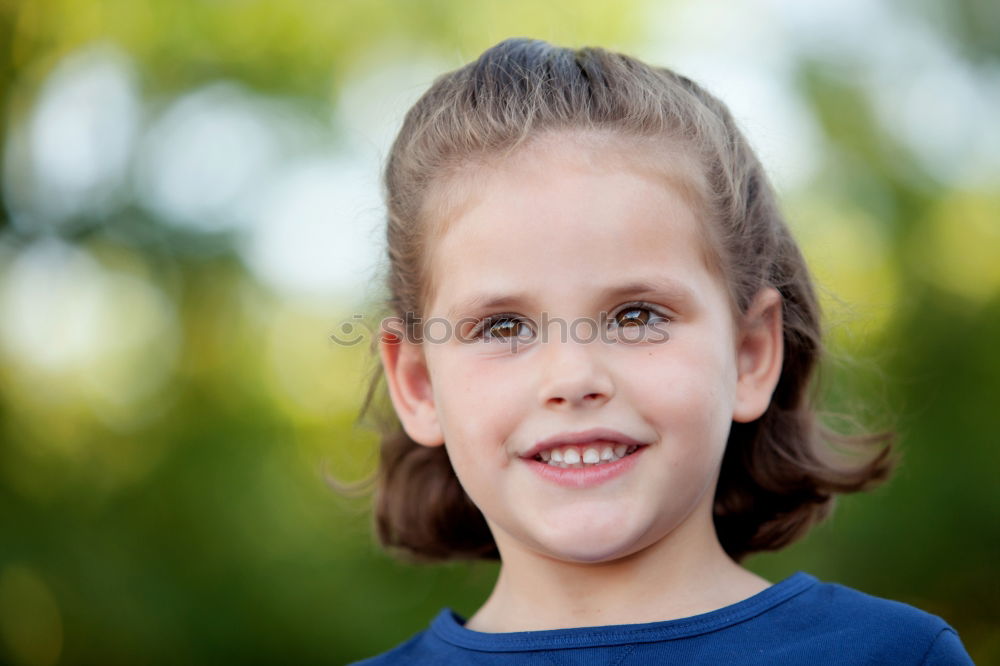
577	456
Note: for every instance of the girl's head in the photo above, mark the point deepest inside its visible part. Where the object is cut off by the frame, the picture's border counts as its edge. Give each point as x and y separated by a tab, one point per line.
649	286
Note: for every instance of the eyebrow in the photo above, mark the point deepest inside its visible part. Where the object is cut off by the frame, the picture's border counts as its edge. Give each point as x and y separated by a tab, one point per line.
671	289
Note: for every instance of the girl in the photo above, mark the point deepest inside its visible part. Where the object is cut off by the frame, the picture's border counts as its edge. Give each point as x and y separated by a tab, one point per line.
600	348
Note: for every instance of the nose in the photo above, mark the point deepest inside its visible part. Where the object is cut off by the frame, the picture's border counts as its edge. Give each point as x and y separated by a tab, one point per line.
574	375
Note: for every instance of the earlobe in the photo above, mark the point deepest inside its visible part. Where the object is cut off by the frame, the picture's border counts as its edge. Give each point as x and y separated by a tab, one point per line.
409	384
759	355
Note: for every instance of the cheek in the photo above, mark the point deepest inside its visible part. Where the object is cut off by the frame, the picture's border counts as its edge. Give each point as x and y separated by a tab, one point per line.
488	390
683	388
478	409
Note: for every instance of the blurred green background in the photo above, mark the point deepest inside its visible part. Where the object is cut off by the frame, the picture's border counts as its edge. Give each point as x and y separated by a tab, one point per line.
190	208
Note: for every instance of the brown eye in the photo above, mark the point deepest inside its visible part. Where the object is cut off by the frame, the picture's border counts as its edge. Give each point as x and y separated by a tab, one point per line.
633	317
505	328
635	320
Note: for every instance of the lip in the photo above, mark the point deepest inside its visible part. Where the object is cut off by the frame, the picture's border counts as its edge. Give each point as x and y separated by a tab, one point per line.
585	477
582	437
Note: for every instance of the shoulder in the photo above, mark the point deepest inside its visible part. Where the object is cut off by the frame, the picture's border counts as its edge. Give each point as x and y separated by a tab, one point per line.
851	622
411	651
840	603
424	647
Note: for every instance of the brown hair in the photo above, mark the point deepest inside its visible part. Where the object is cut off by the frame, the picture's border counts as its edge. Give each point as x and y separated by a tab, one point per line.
780	473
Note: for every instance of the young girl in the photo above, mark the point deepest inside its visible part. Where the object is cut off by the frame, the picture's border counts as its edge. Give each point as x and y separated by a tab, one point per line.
600	352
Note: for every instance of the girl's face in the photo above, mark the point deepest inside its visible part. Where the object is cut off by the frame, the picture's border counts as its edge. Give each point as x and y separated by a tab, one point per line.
564	236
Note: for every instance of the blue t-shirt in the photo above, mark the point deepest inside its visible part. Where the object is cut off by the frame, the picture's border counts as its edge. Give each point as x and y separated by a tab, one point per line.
796	621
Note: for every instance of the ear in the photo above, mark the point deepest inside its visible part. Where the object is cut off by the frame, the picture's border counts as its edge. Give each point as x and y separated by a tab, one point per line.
760	352
410	389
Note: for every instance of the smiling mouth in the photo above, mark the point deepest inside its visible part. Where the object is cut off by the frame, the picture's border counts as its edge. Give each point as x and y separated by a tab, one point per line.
578	456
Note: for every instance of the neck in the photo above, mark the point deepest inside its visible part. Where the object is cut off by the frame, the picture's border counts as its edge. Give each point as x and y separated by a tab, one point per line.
684	574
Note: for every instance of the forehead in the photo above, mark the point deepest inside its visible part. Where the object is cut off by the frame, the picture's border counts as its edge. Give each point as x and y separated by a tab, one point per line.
568	210
662	160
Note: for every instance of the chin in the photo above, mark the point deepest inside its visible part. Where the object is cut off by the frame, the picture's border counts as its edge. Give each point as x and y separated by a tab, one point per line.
591	545
596	553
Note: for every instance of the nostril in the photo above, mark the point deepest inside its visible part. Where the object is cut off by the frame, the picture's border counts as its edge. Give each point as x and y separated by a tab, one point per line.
585	399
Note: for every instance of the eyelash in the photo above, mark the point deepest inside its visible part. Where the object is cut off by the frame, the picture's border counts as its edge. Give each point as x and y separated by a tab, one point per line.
483	327
640	305
486	324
